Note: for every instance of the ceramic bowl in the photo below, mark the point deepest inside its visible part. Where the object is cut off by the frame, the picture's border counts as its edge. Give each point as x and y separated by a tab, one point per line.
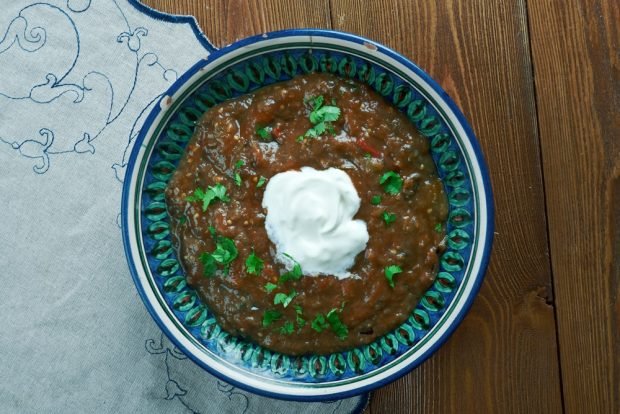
243	67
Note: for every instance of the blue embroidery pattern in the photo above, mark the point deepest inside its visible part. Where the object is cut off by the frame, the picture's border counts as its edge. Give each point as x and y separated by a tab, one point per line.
71	87
174	390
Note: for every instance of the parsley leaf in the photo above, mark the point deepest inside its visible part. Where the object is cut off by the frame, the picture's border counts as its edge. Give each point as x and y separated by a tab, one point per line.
299	316
270	287
264	133
288	328
218	191
270	316
284	299
388	218
238	179
239	164
320	117
392	182
254	264
325	114
183	220
390	272
375	200
209	265
319	323
438	227
339	328
261	182
317	102
293	274
225	250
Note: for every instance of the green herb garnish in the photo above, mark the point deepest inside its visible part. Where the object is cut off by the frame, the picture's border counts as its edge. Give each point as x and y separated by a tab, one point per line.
339	328
299	313
182	220
438	227
270	287
390	272
284	299
319	323
209	265
320	117
225	250
293	274
264	133
216	192
261	182
392	182
270	316
375	200
388	218
254	264
239	164
288	328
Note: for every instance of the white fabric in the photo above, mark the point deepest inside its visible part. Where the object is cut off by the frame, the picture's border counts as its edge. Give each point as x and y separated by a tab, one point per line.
77	78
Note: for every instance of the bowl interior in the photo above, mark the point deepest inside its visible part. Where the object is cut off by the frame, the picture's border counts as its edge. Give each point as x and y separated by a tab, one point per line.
176	306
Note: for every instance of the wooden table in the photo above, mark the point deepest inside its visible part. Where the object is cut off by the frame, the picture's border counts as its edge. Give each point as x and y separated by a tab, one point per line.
539	81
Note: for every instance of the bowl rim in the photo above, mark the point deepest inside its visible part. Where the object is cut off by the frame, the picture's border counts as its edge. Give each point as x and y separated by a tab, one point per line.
469	136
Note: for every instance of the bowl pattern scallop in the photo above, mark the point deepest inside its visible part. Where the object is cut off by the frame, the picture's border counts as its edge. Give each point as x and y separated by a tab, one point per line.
246	72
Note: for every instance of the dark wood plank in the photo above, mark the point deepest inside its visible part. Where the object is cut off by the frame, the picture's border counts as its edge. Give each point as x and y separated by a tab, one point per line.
576	52
224	21
503	358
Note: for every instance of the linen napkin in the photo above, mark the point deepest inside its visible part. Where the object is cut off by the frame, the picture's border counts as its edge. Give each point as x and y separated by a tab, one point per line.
77	79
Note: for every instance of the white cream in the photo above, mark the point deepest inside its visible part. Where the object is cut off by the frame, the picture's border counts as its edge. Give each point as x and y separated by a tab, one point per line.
310	217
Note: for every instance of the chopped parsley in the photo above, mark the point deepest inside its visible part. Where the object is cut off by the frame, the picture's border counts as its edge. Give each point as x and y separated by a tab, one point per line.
284	299
339	328
225	250
299	316
288	328
392	182
331	320
319	323
254	264
388	218
390	272
438	227
270	316
208	263
239	164
270	287
183	220
375	200
261	182
216	192
293	274
264	133
320	117
367	155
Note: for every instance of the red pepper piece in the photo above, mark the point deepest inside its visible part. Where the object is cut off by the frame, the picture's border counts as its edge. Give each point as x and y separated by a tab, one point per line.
368	148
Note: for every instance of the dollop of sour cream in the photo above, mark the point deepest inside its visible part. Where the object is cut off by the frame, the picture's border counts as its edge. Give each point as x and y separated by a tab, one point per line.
310	218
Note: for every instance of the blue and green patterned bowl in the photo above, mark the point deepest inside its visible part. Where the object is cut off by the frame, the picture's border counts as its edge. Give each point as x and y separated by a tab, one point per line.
246	66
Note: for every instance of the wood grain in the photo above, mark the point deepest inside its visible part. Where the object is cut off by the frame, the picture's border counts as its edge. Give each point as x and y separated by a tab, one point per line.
576	51
224	21
503	358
